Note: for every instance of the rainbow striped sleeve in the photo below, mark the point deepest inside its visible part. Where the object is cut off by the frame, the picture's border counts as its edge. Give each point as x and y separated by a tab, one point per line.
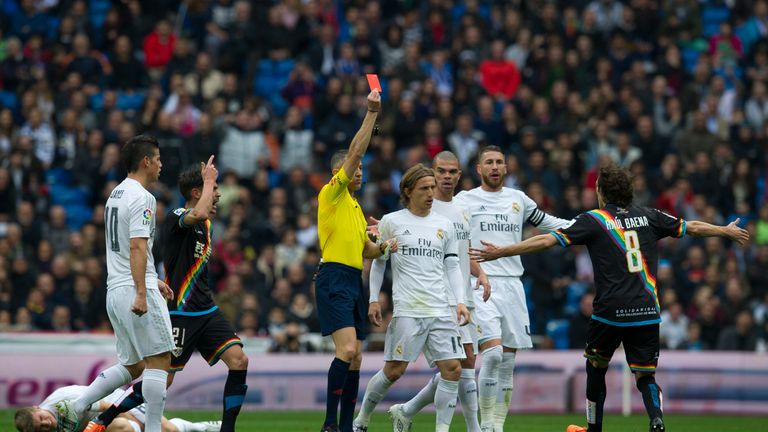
562	238
682	228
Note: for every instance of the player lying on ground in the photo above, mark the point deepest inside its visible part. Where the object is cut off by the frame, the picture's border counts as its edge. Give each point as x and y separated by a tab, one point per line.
621	239
56	413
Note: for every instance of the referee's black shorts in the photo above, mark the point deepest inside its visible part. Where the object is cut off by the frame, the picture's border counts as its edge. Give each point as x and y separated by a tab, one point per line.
641	344
341	300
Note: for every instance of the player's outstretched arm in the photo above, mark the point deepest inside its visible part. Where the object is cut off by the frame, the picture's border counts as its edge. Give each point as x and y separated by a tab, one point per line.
363	136
704	229
492	252
204	205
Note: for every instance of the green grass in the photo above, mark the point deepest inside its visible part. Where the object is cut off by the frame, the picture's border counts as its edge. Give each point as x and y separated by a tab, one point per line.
299	421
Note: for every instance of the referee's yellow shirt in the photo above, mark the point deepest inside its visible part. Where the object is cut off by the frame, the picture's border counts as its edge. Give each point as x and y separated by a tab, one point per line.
341	224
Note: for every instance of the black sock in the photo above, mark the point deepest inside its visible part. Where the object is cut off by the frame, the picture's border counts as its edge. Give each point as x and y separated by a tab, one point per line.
134	399
337	377
349	400
651	395
595	396
234	395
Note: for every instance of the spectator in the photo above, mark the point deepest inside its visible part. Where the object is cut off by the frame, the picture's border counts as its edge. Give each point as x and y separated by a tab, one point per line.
741	336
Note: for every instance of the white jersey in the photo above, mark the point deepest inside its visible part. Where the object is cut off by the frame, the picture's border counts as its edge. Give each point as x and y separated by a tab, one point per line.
129	213
459	217
498	217
418	287
66	418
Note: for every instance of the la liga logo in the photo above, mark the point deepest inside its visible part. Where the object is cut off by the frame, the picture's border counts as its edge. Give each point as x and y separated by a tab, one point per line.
147	214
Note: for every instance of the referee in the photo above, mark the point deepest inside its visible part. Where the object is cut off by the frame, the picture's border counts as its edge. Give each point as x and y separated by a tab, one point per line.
341	303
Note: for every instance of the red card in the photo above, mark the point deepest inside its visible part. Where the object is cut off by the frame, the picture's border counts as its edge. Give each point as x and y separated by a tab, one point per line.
373	82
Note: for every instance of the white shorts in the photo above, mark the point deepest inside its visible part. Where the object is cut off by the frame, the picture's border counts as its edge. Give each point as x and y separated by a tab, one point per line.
505	315
139	337
438	338
468	333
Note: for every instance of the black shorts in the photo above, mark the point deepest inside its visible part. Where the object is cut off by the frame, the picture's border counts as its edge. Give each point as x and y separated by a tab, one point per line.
641	344
210	334
341	300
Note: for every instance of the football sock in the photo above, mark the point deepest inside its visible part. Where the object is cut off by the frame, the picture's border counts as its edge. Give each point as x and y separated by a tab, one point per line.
445	402
652	397
131	399
154	394
468	399
234	395
506	384
183	425
424	397
488	385
337	375
595	396
104	384
374	392
349	400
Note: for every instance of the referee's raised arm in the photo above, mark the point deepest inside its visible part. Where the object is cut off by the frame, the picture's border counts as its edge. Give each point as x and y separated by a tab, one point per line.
341	303
362	138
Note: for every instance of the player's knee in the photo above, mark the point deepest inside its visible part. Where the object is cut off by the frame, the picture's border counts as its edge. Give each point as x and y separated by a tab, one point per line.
239	362
639	375
451	371
492	357
136	369
120	425
394	370
348	352
357	360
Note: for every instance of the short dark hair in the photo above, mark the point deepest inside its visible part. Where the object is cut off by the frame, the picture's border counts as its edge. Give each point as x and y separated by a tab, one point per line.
338	159
615	184
136	149
189	179
413	175
23	419
487	149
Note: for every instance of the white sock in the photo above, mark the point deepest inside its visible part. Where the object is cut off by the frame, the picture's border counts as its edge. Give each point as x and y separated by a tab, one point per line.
488	385
375	390
504	396
104	384
468	399
425	397
153	387
445	402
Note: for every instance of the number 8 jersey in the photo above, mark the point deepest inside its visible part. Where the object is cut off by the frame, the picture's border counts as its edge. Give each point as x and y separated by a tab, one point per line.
129	213
622	245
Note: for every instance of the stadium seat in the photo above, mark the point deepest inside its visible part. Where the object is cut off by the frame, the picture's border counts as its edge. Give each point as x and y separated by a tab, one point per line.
58	177
8	99
711	17
557	330
77	215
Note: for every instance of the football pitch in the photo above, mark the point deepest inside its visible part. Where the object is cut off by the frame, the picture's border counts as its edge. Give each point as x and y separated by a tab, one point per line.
302	421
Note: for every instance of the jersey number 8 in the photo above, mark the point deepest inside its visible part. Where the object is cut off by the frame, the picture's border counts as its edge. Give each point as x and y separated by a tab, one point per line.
634	255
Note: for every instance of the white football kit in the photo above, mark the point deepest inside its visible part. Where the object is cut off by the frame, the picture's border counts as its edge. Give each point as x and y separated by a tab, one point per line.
130	213
498	217
423	319
460	219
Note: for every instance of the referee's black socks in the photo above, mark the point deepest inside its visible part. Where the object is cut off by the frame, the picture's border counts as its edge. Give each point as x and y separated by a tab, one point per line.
595	396
651	395
337	379
234	395
349	400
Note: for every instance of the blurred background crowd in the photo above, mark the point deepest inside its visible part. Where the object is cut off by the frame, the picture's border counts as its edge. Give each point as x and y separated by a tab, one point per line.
675	90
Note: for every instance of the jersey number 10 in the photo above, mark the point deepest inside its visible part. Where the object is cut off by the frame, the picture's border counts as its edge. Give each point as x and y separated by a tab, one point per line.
110	222
634	255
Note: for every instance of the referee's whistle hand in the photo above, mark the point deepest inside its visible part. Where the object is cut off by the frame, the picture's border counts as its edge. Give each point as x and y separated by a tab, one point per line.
374	314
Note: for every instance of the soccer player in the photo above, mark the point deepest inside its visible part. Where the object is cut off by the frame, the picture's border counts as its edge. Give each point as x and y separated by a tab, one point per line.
135	305
341	303
447	171
621	239
498	214
56	413
423	319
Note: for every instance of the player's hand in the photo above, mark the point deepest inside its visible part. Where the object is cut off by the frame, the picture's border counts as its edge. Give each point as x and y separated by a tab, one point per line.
392	245
374	101
483	280
735	233
165	290
489	253
462	314
139	306
374	314
209	171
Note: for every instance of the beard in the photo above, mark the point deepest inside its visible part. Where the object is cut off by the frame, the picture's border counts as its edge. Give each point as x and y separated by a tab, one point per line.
493	184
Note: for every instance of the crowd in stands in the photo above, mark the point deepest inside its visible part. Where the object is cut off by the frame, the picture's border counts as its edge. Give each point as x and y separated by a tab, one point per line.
675	90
